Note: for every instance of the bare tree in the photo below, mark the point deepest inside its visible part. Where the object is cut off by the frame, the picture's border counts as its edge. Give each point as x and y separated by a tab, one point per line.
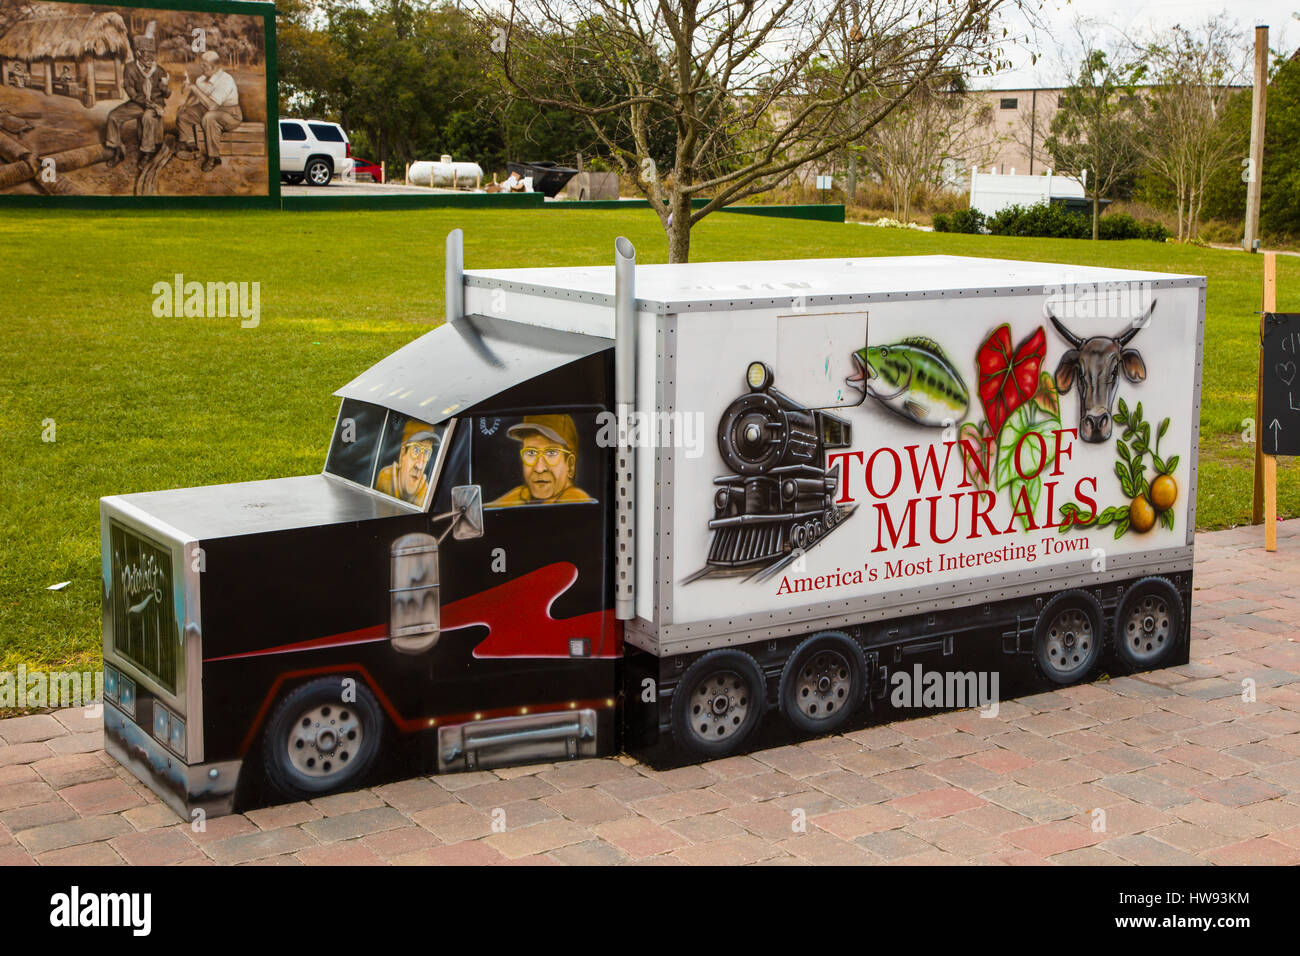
937	125
1094	133
751	90
1185	140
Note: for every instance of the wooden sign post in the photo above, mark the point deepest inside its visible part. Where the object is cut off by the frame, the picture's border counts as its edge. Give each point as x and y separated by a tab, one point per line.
1269	414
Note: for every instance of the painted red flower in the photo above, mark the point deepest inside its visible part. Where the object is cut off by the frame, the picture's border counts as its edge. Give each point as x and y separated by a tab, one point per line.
1008	378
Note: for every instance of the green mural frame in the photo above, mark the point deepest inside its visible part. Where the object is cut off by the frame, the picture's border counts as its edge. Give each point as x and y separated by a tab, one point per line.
248	8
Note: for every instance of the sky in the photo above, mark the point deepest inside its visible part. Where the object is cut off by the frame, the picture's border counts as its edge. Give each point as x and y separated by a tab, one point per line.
1132	19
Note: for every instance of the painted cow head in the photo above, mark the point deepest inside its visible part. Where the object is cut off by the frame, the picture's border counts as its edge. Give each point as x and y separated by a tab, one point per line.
1096	364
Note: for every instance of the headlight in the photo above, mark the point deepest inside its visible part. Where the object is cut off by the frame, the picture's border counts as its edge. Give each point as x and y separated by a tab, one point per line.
169	729
177	741
110	683
758	375
126	695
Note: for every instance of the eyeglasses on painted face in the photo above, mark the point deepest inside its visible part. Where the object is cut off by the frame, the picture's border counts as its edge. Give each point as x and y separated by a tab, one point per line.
418	450
552	454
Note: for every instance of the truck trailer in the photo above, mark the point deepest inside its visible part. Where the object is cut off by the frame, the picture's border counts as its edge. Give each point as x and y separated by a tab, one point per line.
678	510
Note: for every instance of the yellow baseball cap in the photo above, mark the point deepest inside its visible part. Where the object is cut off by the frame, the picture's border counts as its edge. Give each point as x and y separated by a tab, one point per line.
558	428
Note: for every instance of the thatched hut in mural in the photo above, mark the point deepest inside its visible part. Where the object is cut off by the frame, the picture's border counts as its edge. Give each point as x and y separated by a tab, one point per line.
79	55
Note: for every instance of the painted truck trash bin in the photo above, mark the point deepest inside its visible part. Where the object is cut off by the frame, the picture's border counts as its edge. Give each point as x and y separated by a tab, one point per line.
678	510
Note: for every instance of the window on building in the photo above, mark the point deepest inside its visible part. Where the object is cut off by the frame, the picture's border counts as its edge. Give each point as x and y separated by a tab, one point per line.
1010	103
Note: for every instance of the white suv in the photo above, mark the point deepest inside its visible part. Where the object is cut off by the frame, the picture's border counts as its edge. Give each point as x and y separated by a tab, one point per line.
313	151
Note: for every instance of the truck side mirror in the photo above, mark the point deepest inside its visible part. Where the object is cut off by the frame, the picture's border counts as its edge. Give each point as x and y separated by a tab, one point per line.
467	505
415	611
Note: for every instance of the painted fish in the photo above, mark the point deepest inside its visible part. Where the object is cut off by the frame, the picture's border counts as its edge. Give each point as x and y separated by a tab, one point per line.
912	378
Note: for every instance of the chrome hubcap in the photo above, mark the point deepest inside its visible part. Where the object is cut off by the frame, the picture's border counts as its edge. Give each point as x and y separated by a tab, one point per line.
324	739
1148	627
1069	640
823	685
719	705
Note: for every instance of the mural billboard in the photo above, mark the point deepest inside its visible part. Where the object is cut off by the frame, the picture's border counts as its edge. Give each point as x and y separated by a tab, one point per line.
115	100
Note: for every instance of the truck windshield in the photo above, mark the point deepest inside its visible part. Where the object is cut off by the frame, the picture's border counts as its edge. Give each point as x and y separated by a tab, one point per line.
386	451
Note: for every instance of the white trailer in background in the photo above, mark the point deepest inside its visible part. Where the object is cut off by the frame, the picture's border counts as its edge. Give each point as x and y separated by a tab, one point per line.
992	192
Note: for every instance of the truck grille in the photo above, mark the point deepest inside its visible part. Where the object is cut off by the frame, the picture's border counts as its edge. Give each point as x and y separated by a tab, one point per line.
145	630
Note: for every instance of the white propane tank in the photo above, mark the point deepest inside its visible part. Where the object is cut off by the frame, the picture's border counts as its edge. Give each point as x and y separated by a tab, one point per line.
445	173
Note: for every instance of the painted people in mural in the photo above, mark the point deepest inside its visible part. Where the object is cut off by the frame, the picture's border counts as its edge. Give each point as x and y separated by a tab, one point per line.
548	454
89	102
213	105
407	476
147	89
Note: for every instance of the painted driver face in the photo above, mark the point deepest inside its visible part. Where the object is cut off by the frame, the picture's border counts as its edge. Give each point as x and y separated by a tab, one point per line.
410	467
548	467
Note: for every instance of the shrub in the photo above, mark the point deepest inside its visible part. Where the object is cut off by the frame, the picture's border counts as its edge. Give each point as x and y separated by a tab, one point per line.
1048	220
1054	221
1155	232
960	220
1119	226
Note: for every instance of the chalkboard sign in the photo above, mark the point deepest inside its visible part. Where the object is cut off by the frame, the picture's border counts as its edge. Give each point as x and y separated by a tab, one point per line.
1280	389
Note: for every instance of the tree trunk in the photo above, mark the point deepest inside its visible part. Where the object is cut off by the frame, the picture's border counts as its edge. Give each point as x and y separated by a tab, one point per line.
851	184
679	230
1096	213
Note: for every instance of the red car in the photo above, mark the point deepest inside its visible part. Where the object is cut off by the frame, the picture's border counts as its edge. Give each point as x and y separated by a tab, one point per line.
364	167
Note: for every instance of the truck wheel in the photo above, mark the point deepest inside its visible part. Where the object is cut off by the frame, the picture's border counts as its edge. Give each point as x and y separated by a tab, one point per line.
718	703
823	683
316	743
1068	639
1148	624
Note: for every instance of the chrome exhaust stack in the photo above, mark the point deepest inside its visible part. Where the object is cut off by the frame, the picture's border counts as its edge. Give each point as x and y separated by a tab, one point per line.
454	290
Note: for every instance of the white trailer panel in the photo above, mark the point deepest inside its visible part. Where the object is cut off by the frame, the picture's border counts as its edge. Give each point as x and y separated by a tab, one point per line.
701	325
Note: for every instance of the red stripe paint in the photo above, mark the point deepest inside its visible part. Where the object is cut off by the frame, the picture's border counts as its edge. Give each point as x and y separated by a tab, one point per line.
366	635
516	613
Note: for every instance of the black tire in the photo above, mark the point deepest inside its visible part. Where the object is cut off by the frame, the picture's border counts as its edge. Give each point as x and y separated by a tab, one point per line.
1069	637
1149	624
823	683
318	172
718	703
315	743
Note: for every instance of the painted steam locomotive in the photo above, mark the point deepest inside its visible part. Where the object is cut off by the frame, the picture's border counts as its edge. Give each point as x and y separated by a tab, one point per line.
781	498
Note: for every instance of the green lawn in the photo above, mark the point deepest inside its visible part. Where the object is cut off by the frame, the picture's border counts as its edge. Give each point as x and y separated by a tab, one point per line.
140	403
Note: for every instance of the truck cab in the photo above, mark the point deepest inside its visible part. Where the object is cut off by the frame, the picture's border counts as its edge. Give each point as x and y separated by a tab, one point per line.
439	596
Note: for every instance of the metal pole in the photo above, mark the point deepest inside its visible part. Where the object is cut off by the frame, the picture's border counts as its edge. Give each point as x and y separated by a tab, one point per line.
625	409
454	291
1250	241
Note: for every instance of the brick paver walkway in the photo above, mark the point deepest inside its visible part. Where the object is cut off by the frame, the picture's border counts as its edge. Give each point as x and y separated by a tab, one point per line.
1184	769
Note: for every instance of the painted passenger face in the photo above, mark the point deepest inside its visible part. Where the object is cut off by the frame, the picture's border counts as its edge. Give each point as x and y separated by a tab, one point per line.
548	467
410	465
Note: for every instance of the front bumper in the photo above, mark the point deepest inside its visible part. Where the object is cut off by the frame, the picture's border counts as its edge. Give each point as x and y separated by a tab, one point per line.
209	787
